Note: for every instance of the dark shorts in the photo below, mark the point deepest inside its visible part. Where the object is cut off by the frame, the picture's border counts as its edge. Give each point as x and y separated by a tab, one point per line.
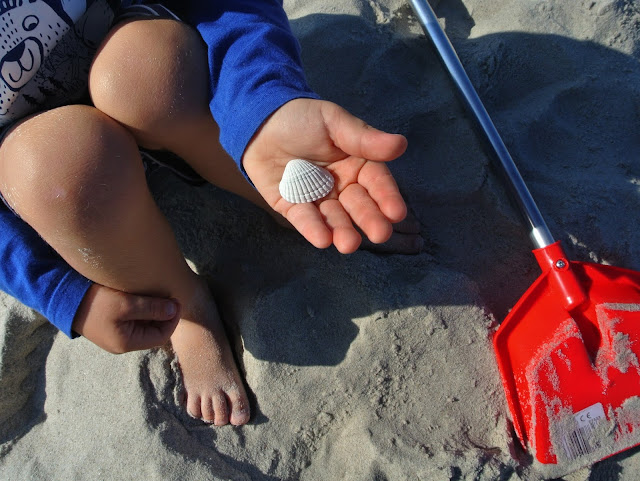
152	159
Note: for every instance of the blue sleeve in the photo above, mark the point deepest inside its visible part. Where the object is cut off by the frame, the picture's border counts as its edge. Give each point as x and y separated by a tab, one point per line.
32	272
254	64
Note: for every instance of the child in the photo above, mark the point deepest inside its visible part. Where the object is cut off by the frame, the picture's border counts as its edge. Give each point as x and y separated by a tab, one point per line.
72	174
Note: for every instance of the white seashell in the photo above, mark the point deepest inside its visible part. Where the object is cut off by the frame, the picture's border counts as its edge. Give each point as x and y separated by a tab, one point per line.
303	182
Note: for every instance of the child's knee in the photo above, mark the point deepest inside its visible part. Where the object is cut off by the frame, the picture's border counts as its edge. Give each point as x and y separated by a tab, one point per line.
151	76
66	165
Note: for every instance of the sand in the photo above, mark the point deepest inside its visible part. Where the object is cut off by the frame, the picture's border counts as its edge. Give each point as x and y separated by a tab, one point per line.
368	366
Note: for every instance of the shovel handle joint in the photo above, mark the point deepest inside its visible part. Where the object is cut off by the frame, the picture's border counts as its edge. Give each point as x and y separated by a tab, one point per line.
564	283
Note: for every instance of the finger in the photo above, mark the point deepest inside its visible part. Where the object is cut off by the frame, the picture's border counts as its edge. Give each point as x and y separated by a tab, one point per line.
398	243
381	186
345	237
365	213
144	334
355	137
307	219
410	225
150	308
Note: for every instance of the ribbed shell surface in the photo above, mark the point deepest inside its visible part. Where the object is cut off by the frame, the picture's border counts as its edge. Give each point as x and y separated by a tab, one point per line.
303	182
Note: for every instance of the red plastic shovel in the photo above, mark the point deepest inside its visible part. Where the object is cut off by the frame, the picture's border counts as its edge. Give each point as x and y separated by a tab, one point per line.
569	351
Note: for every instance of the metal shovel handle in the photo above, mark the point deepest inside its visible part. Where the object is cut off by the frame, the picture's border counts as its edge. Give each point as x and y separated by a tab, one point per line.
539	232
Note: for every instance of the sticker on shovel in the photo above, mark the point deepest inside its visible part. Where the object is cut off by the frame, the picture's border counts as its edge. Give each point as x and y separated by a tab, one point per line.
590	359
582	437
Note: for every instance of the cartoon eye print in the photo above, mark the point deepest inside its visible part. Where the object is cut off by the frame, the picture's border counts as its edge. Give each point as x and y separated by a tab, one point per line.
29	33
30	23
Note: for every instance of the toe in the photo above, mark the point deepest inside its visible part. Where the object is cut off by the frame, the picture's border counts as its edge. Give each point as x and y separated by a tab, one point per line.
208	411
240	411
219	403
194	408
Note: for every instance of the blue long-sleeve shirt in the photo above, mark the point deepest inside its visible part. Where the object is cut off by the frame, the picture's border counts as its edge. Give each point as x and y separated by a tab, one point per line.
254	64
35	274
254	68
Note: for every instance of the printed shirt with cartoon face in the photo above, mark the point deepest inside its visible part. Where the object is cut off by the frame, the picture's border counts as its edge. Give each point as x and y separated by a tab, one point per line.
46	49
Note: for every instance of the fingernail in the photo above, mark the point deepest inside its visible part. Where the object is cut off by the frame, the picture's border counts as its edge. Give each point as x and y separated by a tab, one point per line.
170	309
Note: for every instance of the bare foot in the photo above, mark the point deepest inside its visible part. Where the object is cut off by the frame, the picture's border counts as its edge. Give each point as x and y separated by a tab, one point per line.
214	389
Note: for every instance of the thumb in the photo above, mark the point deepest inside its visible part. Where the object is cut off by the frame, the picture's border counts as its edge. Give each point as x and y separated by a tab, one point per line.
146	308
355	137
150	322
149	334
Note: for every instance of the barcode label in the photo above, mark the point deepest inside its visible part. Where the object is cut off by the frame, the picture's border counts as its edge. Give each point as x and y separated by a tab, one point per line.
579	442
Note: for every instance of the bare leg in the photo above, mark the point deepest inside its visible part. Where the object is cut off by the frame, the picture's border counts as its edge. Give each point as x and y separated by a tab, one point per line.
160	96
75	175
195	136
137	91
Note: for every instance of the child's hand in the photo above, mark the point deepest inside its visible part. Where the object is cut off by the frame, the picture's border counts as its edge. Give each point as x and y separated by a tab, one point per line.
365	193
119	322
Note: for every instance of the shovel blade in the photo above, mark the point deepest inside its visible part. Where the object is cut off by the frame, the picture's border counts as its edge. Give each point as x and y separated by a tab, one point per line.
572	378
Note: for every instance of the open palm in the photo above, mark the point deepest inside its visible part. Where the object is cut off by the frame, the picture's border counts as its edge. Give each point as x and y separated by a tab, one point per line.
365	193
